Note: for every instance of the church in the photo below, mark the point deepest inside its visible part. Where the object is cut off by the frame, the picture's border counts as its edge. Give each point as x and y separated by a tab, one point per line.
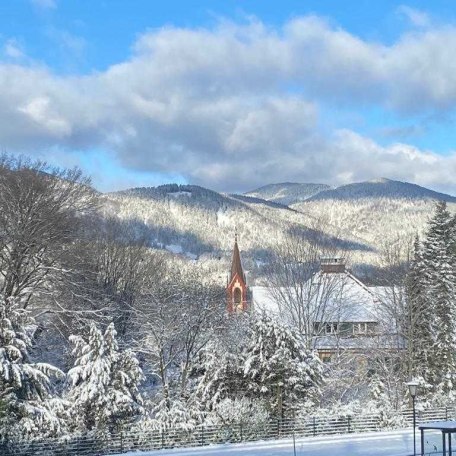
341	312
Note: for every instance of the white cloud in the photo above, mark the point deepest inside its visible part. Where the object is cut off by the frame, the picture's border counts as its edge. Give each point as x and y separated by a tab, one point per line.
238	106
13	50
416	17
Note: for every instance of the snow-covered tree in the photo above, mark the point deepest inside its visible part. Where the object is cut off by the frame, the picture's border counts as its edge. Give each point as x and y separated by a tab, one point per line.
174	412
431	306
271	364
380	404
222	375
419	316
103	384
440	279
25	387
279	368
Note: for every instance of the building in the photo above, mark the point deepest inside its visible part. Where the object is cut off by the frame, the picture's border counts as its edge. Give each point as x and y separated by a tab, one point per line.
339	311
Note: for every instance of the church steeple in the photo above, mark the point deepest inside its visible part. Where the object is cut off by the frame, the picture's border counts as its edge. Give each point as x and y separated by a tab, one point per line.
236	291
236	265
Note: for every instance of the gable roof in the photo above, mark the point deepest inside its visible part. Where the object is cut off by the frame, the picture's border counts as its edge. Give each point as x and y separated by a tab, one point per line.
346	298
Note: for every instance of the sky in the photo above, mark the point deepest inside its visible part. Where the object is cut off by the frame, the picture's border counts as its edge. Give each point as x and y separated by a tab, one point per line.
232	95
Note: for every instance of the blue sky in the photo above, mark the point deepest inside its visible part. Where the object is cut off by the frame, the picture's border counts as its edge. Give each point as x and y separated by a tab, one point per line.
232	94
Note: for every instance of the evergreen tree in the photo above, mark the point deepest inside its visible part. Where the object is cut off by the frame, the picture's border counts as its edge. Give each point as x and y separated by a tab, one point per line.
273	366
104	381
279	368
419	315
25	387
431	306
221	375
440	282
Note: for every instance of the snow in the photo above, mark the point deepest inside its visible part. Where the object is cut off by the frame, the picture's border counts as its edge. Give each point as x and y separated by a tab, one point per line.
359	301
391	443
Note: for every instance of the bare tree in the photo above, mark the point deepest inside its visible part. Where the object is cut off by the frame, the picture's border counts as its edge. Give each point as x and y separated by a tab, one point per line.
175	318
307	299
41	212
393	360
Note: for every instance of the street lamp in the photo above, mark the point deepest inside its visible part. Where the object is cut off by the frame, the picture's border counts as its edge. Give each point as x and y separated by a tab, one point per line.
413	387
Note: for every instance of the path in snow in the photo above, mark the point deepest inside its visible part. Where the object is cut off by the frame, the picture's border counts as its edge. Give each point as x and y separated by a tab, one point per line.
391	443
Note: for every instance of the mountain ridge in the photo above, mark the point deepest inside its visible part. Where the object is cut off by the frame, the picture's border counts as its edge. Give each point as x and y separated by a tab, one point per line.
291	193
381	188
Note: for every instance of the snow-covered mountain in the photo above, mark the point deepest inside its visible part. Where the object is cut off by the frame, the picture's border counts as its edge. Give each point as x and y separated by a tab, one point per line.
381	188
199	224
378	211
288	192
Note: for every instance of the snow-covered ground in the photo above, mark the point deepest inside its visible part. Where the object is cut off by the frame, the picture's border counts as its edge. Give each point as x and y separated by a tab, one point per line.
392	443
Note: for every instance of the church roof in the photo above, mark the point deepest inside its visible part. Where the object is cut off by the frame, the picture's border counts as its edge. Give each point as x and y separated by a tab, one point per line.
236	265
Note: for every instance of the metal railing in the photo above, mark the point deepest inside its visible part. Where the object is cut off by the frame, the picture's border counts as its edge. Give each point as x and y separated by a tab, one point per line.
121	442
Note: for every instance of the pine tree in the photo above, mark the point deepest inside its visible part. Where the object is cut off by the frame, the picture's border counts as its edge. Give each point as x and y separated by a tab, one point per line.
104	381
279	368
272	366
440	281
25	387
221	375
431	306
419	316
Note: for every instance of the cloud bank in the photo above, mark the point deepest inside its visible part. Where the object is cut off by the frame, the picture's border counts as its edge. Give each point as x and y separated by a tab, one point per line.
239	105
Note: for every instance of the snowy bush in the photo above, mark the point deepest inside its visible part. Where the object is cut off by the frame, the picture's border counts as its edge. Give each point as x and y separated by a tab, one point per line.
239	411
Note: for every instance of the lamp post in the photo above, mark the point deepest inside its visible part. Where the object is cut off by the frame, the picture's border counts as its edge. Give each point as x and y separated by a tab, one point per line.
413	387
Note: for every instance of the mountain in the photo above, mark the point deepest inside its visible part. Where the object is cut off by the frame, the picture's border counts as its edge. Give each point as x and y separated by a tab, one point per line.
380	211
288	192
381	188
198	224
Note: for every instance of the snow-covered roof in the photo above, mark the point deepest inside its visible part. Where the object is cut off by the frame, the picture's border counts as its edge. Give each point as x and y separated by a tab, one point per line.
344	298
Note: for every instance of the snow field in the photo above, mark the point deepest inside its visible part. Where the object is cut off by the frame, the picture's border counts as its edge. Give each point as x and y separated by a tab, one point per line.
390	443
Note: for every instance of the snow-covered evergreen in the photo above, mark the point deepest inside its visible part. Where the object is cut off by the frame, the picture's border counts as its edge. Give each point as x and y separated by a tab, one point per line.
103	384
25	387
273	366
279	367
431	307
439	266
419	317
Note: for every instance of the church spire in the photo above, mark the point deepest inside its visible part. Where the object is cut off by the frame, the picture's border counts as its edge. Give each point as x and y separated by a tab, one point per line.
236	265
237	287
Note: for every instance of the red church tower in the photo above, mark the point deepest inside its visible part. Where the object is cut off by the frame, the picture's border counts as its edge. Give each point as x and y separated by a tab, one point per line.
236	291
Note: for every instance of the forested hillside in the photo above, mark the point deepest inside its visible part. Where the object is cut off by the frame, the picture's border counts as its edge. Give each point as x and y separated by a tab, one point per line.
199	224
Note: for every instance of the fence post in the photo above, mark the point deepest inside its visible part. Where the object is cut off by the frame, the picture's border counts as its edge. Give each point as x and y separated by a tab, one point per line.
162	438
242	437
202	435
121	441
314	427
446	413
349	424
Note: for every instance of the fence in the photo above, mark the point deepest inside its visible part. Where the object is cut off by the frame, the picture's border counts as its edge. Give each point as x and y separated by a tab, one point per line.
96	445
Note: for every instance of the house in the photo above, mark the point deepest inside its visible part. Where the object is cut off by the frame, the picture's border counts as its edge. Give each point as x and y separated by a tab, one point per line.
336	310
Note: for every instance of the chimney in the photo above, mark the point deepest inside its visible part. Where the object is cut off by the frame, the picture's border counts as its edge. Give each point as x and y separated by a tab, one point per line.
332	265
